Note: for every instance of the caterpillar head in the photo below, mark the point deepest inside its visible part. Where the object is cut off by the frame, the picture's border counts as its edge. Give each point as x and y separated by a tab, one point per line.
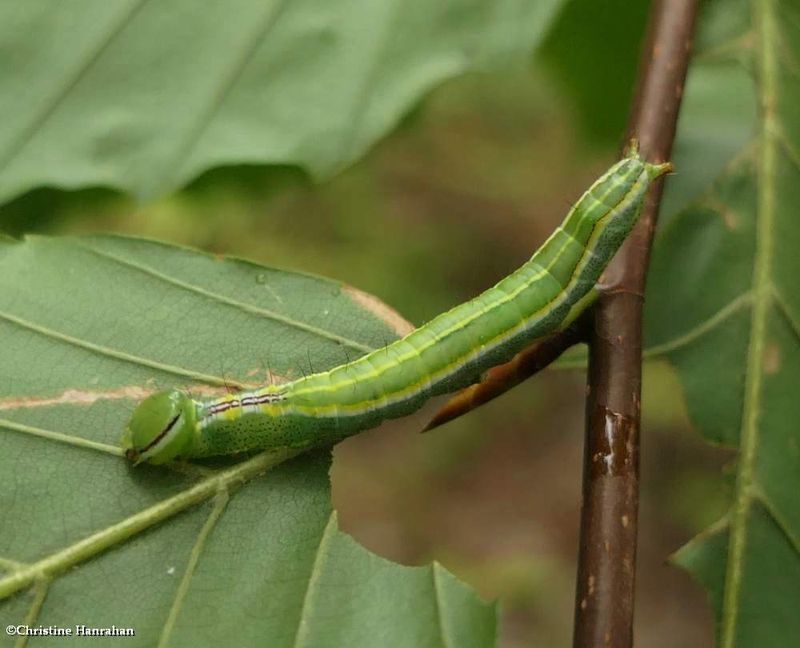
616	198
161	428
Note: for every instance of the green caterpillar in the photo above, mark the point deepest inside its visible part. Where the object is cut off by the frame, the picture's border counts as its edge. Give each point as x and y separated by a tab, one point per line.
446	354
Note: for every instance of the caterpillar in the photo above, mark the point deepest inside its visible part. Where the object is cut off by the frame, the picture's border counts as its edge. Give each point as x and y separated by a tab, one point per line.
448	353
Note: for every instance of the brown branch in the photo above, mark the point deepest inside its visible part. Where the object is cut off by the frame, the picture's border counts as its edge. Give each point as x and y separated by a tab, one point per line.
607	555
501	378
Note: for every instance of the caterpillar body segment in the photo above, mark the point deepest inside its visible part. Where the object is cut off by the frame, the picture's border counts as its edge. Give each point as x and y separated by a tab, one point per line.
448	353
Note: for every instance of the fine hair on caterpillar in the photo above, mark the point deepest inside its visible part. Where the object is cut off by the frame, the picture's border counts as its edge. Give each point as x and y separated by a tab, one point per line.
450	352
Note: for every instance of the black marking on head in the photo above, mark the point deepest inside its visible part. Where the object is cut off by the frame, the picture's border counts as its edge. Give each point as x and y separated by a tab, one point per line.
158	438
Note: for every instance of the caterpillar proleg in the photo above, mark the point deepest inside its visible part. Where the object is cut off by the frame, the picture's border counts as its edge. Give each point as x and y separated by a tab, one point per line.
446	354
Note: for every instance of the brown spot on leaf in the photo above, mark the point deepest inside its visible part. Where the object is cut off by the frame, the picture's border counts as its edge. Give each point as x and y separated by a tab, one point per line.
261	377
727	215
88	397
730	219
772	359
397	322
75	397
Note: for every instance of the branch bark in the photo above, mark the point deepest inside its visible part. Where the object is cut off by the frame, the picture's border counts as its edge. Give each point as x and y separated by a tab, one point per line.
607	555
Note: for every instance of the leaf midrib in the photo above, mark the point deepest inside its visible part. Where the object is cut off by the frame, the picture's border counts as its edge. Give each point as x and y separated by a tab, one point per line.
56	563
765	18
248	49
72	80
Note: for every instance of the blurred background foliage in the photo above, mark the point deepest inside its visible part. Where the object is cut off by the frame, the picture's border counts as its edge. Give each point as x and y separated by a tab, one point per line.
457	196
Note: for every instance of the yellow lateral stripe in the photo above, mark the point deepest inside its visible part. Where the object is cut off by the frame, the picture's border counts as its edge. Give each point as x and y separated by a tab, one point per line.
463	323
541	297
419	350
362	407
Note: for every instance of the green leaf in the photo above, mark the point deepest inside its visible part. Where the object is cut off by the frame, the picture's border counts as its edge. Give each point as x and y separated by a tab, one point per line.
718	110
144	96
724	308
594	50
233	554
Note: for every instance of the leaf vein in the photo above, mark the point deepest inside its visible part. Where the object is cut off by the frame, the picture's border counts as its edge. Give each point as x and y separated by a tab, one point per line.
767	25
244	306
778	519
313	581
784	310
60	437
708	325
221	501
115	353
40	594
58	562
10	565
354	120
38	120
791	152
223	89
437	598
